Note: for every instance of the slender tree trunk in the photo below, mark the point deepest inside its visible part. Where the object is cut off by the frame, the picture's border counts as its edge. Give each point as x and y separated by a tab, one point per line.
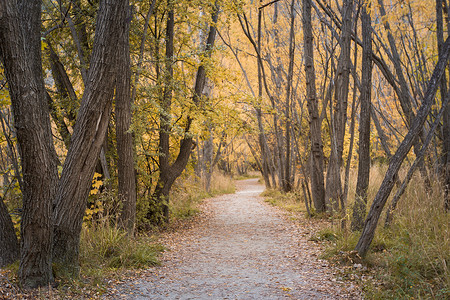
89	133
411	170
20	51
334	186
208	148
362	184
381	135
9	245
170	172
371	222
125	147
287	186
315	132
404	93
445	157
262	137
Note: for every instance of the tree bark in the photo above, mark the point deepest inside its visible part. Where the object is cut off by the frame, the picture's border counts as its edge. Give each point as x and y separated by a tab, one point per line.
125	146
9	245
445	156
388	182
89	133
317	178
21	55
362	183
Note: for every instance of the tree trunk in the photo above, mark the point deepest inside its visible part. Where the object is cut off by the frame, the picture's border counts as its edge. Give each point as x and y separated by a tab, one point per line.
207	160
125	147
158	212
362	184
315	134
287	186
262	137
411	170
334	187
9	246
89	133
404	95
388	182
445	157
21	56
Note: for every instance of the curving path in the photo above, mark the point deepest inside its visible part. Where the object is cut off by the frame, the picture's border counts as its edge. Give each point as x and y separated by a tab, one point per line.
243	249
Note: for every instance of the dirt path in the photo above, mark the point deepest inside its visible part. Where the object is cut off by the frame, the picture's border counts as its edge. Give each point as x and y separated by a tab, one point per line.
243	249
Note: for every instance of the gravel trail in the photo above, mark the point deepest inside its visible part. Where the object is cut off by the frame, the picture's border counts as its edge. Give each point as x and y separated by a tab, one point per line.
242	249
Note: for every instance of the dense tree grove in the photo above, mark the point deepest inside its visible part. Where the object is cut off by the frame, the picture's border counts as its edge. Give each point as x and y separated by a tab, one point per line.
105	104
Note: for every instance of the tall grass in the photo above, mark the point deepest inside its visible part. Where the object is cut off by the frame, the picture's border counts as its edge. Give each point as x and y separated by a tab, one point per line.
189	191
408	260
411	256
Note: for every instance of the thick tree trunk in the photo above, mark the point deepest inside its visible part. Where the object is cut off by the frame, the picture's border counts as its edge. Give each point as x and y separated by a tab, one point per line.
315	132
388	182
125	147
89	133
334	187
362	184
21	56
9	245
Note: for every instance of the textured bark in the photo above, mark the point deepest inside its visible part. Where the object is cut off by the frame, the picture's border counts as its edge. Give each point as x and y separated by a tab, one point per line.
388	182
9	245
89	133
21	56
445	156
317	179
333	190
125	147
362	183
66	94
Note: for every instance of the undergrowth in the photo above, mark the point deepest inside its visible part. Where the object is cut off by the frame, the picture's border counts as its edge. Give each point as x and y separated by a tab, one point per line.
108	252
291	202
407	260
188	193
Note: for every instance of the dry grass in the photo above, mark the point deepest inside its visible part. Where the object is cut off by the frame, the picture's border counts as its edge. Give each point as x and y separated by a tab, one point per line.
410	257
408	260
189	191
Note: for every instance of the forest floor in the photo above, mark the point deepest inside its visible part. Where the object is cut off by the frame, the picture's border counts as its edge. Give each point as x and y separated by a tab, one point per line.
240	247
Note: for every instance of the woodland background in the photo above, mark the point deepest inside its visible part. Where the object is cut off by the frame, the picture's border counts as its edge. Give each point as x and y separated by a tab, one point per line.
117	115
